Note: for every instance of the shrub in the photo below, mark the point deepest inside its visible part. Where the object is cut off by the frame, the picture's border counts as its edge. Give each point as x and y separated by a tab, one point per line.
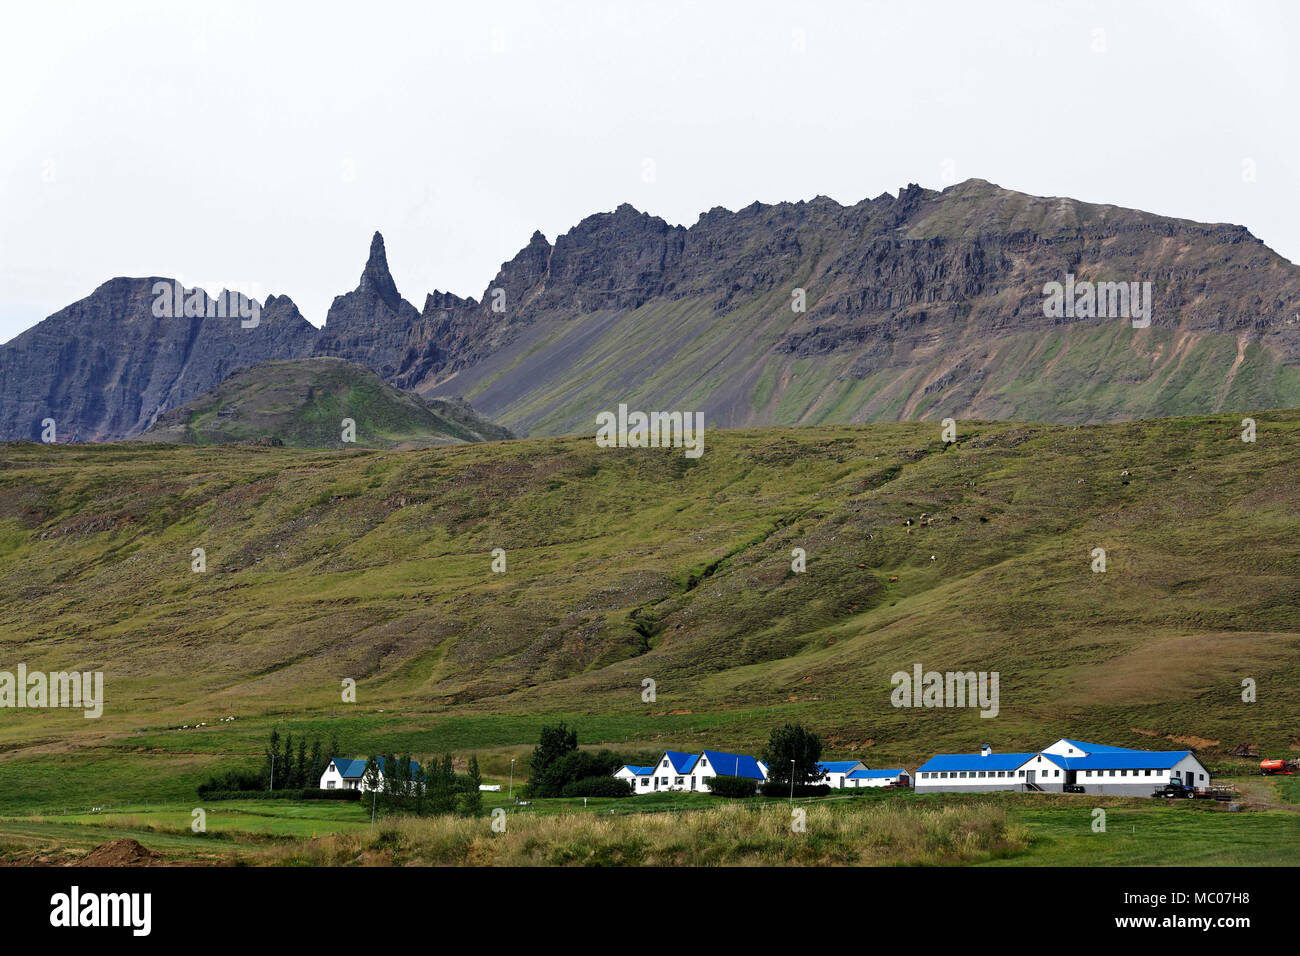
597	787
571	767
230	781
725	785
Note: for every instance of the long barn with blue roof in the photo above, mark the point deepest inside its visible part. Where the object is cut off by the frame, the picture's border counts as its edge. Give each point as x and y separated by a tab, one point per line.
1072	766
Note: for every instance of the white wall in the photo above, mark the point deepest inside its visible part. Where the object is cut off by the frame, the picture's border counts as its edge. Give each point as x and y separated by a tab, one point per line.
872	782
954	780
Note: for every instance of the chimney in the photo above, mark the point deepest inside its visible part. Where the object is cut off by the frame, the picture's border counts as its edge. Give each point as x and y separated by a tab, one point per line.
985	750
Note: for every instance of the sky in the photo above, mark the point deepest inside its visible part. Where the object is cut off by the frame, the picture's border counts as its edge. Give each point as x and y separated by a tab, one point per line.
259	147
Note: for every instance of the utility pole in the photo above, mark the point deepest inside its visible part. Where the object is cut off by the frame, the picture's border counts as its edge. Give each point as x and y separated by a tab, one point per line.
792	783
511	795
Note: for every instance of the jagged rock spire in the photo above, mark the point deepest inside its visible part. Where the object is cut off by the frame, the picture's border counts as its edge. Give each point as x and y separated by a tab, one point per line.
376	277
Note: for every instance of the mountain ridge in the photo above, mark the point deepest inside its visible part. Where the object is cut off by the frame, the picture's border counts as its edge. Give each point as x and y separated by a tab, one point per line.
924	304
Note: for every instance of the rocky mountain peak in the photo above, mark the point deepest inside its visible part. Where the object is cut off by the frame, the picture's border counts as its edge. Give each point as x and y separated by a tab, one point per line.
375	278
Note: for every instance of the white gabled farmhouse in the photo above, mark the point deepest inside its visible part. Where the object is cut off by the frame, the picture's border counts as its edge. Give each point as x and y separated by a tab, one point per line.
878	778
640	778
672	772
347	774
713	763
834	772
690	772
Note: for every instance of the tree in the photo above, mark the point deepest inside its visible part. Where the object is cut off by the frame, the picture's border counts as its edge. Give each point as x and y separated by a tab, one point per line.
300	764
554	744
272	758
442	796
793	742
370	776
472	801
285	760
315	763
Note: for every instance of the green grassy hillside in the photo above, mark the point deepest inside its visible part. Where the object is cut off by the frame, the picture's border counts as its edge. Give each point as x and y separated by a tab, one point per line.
302	403
627	565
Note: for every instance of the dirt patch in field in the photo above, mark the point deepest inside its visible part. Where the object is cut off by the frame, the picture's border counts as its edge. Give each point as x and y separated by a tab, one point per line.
1187	740
124	852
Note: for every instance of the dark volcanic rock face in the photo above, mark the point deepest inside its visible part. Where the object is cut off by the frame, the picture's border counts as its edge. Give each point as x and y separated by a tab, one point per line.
104	367
925	289
373	323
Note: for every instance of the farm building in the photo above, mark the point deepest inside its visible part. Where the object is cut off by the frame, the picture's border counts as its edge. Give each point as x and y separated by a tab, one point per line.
682	771
714	762
878	778
640	778
834	772
346	774
1096	768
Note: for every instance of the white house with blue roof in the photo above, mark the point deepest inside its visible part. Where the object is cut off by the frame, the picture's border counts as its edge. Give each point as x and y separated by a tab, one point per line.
1080	766
896	777
676	770
344	773
834	772
641	779
711	763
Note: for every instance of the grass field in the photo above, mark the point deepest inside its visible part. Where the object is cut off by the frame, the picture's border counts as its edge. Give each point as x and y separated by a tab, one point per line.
871	828
627	565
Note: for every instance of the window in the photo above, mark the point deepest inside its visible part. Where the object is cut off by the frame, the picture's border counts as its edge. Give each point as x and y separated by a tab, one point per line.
982	773
1057	774
645	781
1020	773
1112	773
329	785
679	781
1148	773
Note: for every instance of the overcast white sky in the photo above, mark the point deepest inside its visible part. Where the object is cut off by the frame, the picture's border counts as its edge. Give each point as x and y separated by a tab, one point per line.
228	143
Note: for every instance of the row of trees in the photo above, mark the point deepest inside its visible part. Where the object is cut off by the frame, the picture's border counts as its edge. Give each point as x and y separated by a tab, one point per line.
294	765
400	785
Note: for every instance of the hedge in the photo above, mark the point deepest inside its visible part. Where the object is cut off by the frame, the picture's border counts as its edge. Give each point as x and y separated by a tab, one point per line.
597	787
724	785
309	793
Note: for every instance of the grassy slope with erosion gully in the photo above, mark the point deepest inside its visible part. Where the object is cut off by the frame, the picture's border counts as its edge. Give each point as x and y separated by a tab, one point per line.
628	564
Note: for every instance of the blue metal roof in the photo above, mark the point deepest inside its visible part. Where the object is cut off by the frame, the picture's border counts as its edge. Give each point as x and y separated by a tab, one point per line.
641	771
1126	760
355	769
349	768
733	765
942	762
838	766
875	774
681	762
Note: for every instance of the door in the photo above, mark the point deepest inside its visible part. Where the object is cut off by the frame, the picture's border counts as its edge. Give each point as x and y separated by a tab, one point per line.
1029	776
